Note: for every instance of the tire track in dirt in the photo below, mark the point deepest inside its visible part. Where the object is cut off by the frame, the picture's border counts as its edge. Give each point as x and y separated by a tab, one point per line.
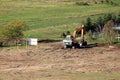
28	68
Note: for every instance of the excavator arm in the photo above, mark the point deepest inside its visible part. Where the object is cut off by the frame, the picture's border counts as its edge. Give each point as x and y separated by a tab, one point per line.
80	28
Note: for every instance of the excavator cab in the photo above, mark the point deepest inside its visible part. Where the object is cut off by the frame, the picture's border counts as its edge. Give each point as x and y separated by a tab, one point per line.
67	41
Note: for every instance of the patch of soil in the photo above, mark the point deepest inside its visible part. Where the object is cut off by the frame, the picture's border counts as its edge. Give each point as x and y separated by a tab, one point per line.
49	59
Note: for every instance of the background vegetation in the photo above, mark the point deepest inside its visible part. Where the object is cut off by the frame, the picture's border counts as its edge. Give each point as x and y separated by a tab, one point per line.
49	18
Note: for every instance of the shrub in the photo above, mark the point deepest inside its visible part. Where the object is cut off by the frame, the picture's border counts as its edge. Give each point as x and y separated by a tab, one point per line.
89	35
107	1
64	34
82	3
13	31
102	1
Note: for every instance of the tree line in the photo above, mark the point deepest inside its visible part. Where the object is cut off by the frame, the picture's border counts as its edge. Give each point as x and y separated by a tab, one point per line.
103	25
97	25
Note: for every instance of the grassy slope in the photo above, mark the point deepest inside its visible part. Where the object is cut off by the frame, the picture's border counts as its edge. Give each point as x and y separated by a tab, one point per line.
39	15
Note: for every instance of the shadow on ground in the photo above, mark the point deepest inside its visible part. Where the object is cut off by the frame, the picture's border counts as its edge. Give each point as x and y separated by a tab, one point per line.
48	40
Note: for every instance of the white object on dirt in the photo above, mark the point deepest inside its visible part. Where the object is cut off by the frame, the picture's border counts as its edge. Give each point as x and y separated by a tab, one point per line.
33	41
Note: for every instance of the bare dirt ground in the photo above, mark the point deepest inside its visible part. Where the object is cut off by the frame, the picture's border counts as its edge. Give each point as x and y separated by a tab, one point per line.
50	60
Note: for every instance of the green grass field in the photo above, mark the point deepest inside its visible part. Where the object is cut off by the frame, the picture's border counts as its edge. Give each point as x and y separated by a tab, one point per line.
47	19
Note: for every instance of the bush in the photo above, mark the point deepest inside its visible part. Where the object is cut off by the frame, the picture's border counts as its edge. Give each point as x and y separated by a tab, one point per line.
13	31
82	3
64	34
89	35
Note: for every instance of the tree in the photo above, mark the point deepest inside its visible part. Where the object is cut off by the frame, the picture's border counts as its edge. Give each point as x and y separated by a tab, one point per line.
98	24
109	33
13	31
107	17
118	19
100	21
88	24
114	18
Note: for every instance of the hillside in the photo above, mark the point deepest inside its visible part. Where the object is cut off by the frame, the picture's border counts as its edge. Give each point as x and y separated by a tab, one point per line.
56	16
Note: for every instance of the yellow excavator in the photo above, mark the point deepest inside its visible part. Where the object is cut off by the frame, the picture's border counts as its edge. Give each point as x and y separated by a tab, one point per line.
71	42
